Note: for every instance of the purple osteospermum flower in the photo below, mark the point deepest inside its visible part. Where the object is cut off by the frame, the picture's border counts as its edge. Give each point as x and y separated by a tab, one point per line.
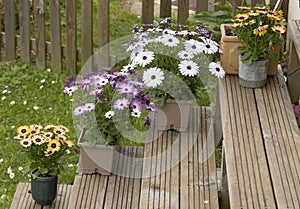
70	90
121	104
85	84
125	88
150	107
79	110
296	110
70	81
147	121
136	105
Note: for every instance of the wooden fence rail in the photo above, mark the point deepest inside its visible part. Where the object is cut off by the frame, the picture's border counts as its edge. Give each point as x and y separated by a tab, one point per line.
56	34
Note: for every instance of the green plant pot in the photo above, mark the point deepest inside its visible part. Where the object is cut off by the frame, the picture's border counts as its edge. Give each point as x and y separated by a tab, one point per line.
43	189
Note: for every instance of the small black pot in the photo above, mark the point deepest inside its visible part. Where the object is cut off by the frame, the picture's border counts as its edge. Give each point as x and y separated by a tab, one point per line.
43	189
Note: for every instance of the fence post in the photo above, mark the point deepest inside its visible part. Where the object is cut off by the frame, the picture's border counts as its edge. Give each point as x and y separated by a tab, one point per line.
39	11
10	33
55	30
86	30
183	11
201	5
103	32
148	11
165	8
24	31
71	43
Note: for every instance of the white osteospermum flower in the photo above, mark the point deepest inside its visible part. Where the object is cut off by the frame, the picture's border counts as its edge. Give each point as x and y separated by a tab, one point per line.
188	68
153	77
169	31
169	40
89	107
109	114
209	46
128	67
136	113
216	69
193	46
185	55
144	58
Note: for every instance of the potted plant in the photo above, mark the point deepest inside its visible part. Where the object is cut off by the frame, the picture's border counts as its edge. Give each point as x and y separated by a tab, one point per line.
259	29
176	61
45	147
111	107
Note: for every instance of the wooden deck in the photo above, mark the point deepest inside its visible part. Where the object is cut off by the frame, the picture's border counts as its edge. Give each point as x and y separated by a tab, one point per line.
190	183
261	145
174	170
22	198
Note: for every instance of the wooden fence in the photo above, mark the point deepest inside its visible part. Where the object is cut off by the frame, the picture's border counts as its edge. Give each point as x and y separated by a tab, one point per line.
43	43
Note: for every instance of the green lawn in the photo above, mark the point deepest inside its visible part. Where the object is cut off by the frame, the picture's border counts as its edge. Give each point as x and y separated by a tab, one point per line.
34	96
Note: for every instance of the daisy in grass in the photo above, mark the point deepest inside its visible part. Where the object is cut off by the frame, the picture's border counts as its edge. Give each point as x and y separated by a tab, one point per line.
188	68
121	104
153	77
143	58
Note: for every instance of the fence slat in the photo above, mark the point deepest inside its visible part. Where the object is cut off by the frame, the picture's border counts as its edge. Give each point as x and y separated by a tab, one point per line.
165	8
24	31
10	44
183	11
148	11
86	30
55	32
201	6
1	28
40	31
71	46
103	32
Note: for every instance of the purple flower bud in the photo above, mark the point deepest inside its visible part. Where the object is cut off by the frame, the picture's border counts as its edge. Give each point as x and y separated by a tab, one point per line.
70	81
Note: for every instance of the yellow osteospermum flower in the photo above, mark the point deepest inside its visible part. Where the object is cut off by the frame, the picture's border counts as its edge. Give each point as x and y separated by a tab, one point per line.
251	22
25	142
253	14
244	8
48	152
58	130
261	30
36	127
68	143
64	128
280	29
54	145
273	17
49	127
23	130
241	17
38	140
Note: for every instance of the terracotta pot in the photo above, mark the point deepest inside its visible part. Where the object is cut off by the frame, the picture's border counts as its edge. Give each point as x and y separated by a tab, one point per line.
97	159
174	115
230	56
